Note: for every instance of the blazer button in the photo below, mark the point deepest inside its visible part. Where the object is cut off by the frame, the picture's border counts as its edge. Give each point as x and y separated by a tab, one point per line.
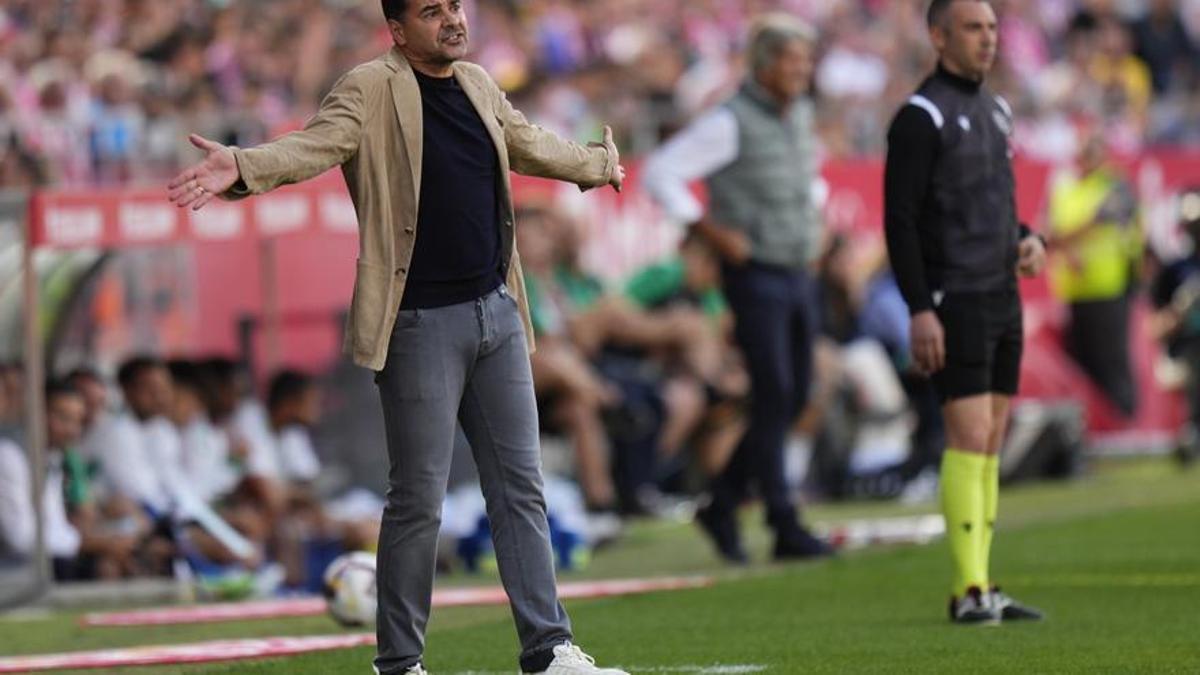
409	230
508	222
401	272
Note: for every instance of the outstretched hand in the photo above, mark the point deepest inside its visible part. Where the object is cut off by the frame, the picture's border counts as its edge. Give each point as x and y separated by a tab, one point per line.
618	174
200	183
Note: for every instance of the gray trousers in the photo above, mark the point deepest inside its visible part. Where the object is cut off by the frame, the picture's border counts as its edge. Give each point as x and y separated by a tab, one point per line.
467	364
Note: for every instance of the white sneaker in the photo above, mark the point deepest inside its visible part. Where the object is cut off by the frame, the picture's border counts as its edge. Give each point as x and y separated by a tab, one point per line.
974	607
570	660
418	669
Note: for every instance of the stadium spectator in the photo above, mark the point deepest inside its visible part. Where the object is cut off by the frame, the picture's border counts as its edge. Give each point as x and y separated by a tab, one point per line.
112	80
79	548
1175	293
310	529
293	407
1096	238
572	393
242	418
885	319
867	391
204	452
90	498
95	393
1162	41
667	361
688	285
129	464
140	454
1123	78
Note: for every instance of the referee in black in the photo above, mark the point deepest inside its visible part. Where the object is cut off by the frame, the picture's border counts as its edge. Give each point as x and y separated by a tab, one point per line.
956	247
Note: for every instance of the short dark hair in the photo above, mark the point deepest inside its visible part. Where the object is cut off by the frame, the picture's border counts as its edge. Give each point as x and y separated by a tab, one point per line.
220	371
394	9
83	374
937	11
59	387
133	368
286	386
186	375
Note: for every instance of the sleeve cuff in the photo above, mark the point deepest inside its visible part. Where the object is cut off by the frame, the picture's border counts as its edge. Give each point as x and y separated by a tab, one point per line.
915	308
606	173
240	189
1027	232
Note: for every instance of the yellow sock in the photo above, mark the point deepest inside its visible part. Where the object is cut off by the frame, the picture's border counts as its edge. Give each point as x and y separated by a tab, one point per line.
991	507
962	505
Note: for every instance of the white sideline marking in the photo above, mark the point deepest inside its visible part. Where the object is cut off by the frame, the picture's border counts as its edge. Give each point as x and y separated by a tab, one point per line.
715	669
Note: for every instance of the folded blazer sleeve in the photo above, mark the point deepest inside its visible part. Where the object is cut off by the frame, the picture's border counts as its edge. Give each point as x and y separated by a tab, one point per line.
329	139
533	151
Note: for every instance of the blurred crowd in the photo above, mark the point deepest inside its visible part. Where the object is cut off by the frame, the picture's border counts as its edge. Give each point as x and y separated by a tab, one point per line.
104	91
178	470
644	379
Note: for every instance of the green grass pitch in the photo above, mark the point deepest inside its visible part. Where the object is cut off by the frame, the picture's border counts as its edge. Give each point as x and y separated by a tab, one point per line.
1114	559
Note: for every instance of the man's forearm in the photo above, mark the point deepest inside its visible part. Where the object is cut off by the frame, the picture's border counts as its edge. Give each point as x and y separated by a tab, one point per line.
533	151
330	138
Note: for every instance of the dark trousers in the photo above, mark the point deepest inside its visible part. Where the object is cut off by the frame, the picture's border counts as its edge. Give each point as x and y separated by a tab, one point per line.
1189	353
775	326
1098	339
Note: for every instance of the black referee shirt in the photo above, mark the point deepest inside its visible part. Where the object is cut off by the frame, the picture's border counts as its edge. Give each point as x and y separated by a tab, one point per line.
950	210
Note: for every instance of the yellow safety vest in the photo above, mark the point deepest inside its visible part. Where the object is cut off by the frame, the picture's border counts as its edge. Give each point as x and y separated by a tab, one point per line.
1104	254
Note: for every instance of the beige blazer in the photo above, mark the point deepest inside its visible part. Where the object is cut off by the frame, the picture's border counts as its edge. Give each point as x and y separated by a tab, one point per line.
371	125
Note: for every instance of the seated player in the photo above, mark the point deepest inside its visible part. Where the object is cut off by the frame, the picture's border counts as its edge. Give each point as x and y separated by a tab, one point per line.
79	549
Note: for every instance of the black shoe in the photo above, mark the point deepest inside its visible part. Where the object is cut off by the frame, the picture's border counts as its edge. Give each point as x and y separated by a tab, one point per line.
1186	453
974	607
1011	610
799	544
722	528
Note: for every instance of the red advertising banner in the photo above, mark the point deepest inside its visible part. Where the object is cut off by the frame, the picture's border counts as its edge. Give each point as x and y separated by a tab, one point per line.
120	218
315	229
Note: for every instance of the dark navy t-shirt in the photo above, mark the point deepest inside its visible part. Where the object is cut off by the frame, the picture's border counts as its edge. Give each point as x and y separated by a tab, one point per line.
457	253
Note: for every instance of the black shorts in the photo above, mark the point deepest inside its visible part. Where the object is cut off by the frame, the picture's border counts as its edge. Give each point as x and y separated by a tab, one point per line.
984	339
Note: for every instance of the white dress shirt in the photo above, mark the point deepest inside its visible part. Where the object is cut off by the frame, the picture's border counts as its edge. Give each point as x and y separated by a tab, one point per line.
206	459
297	456
127	466
249	425
704	147
18	521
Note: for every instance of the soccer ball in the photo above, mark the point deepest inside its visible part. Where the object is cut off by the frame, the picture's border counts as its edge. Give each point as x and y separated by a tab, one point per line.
349	585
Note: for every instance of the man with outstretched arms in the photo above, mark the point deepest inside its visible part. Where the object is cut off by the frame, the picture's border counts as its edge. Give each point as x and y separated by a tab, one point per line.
426	142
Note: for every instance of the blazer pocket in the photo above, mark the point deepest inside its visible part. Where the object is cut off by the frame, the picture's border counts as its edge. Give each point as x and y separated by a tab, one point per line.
369	305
